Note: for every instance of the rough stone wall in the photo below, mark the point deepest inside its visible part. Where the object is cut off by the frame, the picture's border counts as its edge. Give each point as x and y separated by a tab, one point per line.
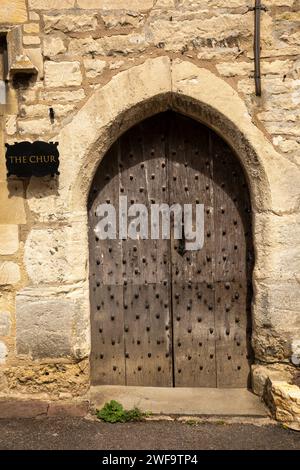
77	48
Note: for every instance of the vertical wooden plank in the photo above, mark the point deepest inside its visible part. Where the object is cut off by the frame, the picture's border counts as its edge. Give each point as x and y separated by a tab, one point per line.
190	170
106	291
148	342
234	264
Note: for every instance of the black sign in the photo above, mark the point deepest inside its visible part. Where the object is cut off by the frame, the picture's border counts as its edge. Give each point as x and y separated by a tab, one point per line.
32	159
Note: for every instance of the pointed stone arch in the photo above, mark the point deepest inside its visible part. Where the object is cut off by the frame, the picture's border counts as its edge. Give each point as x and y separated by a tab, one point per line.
154	86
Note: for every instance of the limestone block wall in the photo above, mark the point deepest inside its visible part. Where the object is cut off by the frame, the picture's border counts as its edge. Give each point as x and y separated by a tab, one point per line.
102	65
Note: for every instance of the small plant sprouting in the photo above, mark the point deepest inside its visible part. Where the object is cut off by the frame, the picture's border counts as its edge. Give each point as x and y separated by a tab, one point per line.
114	412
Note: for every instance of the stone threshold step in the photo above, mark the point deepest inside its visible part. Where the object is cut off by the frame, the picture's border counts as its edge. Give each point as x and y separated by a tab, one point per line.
182	401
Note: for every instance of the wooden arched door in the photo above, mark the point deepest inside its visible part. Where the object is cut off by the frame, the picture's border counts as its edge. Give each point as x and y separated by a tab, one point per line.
161	315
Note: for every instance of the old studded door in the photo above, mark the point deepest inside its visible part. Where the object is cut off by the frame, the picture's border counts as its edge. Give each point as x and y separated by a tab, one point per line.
161	314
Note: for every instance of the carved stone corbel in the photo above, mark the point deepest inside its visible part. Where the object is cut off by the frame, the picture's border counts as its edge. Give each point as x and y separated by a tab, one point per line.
18	61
